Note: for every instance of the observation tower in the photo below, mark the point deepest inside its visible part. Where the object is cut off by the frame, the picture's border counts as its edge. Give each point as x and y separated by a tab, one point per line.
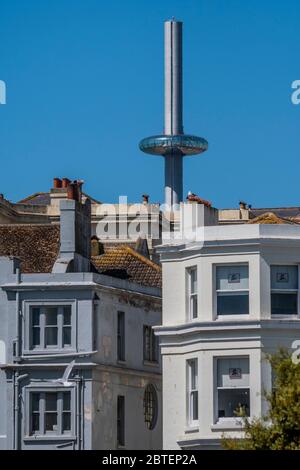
173	145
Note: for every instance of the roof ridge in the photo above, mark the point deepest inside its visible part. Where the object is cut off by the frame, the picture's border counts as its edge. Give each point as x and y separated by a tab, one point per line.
28	198
142	258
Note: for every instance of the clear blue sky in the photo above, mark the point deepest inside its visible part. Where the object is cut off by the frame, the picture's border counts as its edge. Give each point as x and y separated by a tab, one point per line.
85	83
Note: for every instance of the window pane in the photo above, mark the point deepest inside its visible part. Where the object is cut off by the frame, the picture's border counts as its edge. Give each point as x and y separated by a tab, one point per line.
193	375
51	316
154	347
284	277
35	316
51	421
35	426
66	422
121	420
35	401
67	315
233	372
146	343
232	400
150	406
232	277
193	281
51	336
121	336
194	306
67	336
36	336
232	304
194	406
284	304
51	401
66	401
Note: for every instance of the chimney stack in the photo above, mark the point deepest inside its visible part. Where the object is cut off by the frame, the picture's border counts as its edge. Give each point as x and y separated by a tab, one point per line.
57	183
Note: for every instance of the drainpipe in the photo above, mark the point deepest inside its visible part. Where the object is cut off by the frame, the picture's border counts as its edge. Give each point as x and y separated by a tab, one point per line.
82	412
78	412
18	350
17	379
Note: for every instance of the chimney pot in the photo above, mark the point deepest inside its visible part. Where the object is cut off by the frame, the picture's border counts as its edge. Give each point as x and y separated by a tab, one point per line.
57	183
65	182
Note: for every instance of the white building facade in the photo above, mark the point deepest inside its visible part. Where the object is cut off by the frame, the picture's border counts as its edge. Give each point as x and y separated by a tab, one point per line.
227	301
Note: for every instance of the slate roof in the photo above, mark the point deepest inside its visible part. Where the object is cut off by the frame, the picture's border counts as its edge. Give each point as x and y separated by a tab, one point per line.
43	199
124	262
37	246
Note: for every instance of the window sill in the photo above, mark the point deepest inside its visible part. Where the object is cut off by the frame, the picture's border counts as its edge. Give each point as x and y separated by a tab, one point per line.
48	352
229	424
121	362
282	316
191	429
237	316
151	363
51	437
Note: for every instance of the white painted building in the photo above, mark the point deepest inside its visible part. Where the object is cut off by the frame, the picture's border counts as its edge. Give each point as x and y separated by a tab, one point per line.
226	302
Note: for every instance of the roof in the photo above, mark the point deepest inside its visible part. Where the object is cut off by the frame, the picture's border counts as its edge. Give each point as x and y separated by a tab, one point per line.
43	199
279	211
270	218
38	199
124	262
36	246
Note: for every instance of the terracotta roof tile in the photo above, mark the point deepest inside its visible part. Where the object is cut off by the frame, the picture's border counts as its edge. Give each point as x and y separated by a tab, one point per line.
270	218
37	246
122	261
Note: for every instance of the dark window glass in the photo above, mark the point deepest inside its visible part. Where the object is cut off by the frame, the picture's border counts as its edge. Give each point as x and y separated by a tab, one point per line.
51	336
121	420
66	424
35	412
67	340
67	315
150	407
51	422
284	304
35	317
121	336
67	401
51	401
232	304
231	401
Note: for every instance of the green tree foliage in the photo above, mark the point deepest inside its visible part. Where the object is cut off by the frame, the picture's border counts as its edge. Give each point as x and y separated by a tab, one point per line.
280	428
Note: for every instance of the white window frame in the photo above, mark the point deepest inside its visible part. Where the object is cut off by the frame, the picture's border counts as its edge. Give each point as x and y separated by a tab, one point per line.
28	305
229	419
232	292
50	435
285	291
192	392
192	297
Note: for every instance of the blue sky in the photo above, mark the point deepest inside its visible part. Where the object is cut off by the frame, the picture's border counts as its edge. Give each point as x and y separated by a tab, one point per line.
85	83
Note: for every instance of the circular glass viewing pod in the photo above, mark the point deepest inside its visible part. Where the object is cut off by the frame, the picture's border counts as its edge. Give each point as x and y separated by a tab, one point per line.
164	144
